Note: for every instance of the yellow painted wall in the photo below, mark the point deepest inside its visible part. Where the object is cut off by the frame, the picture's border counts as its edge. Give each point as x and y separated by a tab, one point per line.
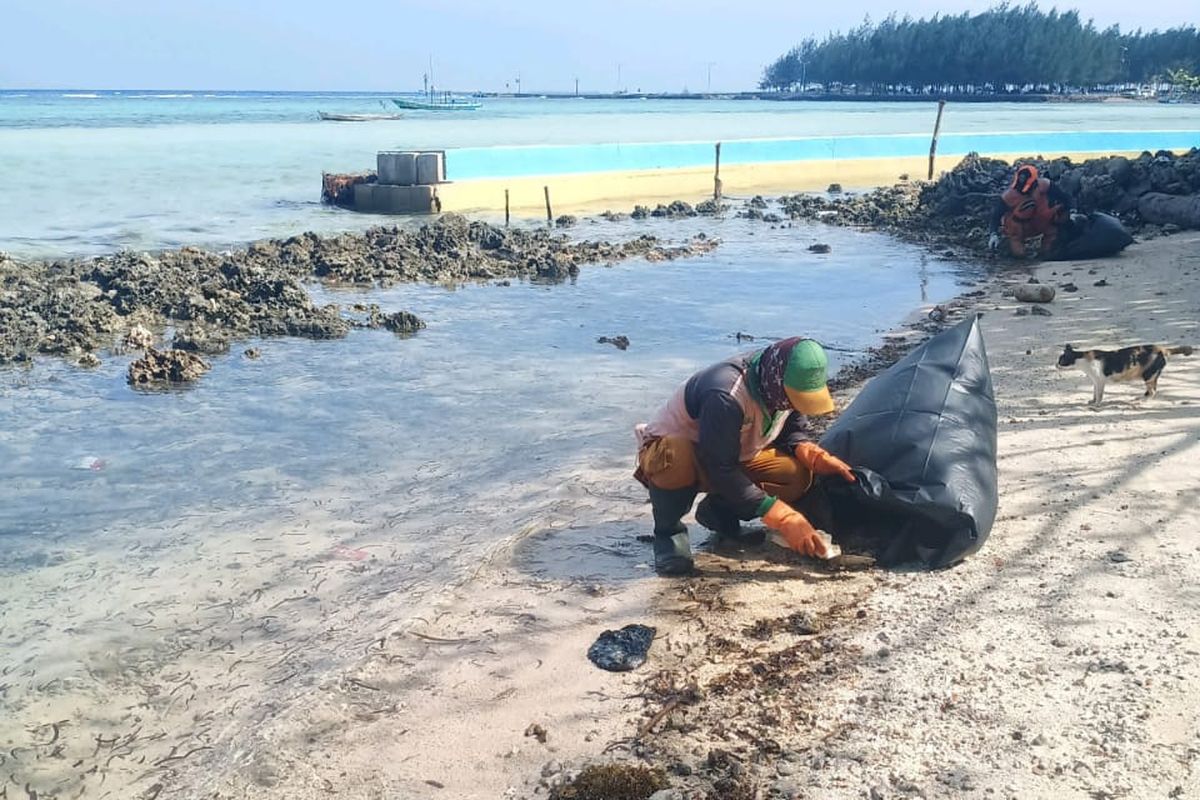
620	191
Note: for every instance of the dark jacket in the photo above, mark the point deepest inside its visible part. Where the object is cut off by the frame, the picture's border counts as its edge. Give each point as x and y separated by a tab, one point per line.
709	400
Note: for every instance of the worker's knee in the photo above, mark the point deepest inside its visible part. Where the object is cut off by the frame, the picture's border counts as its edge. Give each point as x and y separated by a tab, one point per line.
779	474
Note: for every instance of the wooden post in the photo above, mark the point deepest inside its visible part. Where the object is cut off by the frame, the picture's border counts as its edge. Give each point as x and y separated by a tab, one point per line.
717	177
549	213
506	208
937	126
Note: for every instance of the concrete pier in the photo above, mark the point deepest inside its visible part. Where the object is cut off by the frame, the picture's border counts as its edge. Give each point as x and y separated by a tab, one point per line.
380	198
407	183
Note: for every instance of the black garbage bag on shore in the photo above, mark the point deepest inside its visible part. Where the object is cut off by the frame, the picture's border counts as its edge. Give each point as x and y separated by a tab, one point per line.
1093	235
921	438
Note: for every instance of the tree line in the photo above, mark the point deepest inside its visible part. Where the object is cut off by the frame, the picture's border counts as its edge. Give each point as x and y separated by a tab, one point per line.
1004	49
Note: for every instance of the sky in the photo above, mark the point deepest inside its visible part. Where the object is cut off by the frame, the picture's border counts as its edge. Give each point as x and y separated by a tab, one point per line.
486	45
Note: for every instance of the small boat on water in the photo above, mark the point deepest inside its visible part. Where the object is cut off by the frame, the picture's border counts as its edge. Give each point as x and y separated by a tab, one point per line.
432	100
446	103
325	115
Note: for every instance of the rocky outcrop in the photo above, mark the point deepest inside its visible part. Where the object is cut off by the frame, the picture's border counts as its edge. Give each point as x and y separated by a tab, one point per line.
166	367
199	339
213	298
954	211
403	323
1167	209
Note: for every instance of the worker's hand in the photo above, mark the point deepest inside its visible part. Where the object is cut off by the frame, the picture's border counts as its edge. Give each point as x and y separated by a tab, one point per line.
799	533
820	462
994	242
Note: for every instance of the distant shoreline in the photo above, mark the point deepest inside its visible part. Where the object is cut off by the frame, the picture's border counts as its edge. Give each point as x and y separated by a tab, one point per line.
773	96
824	97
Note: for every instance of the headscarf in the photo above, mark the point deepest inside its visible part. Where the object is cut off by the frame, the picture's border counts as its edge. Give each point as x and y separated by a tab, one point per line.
791	375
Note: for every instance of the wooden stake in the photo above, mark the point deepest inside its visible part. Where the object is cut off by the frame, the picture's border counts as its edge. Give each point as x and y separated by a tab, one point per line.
549	213
717	177
937	126
506	208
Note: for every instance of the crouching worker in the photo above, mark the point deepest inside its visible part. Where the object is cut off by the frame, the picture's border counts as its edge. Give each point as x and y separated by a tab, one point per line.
1031	206
735	431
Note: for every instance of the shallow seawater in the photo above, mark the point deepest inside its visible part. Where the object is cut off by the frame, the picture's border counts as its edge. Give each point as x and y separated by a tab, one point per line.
506	382
216	552
102	171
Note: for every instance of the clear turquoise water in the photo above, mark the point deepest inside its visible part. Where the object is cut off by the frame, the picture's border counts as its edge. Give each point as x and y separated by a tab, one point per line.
99	171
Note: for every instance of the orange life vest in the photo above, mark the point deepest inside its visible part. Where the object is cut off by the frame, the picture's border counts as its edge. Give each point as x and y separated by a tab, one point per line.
1034	206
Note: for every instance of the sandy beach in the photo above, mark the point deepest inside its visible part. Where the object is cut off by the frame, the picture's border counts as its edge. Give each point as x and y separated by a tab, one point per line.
1057	662
327	655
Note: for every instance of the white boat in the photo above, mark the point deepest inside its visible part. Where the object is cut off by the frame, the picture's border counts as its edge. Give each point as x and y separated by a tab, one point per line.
325	115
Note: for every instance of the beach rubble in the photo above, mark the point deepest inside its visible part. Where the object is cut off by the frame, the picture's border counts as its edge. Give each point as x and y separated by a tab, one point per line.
1034	293
213	298
1147	194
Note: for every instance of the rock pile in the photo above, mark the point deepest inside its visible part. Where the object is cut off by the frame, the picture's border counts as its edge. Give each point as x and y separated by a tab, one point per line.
68	307
954	211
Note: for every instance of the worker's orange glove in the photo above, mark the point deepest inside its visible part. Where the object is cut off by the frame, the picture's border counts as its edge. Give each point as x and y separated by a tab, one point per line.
820	462
801	536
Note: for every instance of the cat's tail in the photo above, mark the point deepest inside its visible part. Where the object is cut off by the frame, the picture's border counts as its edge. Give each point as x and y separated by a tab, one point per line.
1182	350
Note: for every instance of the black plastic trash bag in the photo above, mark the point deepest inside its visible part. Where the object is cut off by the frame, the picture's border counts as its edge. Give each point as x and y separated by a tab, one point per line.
921	438
623	650
1092	235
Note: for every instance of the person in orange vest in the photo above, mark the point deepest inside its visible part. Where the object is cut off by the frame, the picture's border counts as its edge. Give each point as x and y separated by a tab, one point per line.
737	432
1031	206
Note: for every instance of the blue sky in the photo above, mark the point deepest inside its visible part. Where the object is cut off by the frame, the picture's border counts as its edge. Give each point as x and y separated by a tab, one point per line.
655	45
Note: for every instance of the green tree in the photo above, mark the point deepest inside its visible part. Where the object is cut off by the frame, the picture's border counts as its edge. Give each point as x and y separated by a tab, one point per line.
1006	48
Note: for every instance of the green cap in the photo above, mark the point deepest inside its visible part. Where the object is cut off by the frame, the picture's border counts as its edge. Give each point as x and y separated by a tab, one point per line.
805	379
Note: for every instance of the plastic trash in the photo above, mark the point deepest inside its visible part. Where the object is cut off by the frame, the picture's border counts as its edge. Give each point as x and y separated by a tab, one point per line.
623	650
831	549
1093	235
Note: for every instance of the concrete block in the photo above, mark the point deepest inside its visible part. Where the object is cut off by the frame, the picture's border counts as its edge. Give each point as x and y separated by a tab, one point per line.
381	198
397	168
429	168
364	196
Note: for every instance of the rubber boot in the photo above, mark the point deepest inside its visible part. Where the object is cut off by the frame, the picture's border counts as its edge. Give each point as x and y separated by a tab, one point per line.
714	514
673	552
672	549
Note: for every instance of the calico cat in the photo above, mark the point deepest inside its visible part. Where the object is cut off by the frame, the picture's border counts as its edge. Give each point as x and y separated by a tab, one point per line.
1144	361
